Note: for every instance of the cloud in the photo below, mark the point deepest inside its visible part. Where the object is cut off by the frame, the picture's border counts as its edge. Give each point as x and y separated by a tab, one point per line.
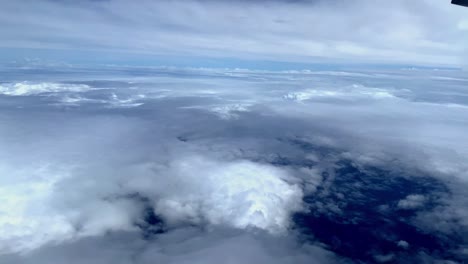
384	258
187	245
348	93
167	180
225	111
27	88
299	31
403	244
412	201
62	196
240	194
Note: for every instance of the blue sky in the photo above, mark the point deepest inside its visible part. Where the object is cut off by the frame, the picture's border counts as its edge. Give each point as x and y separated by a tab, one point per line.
251	34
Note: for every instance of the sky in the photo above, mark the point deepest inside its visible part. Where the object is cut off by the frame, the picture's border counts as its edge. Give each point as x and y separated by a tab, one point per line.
251	34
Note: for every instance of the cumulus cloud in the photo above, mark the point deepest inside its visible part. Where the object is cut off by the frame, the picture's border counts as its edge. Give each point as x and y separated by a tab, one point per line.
403	244
412	201
302	31
240	194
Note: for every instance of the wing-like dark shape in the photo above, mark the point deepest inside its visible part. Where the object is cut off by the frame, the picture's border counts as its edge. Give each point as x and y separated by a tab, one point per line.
460	2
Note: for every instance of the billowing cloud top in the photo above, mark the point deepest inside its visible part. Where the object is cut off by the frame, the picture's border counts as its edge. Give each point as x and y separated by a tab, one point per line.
423	31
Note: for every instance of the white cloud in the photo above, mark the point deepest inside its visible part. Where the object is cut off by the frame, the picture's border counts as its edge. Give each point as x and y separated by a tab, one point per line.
29	218
26	221
354	92
27	88
241	194
225	111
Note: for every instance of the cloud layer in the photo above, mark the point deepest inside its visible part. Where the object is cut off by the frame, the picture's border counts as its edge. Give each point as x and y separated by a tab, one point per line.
184	174
423	32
